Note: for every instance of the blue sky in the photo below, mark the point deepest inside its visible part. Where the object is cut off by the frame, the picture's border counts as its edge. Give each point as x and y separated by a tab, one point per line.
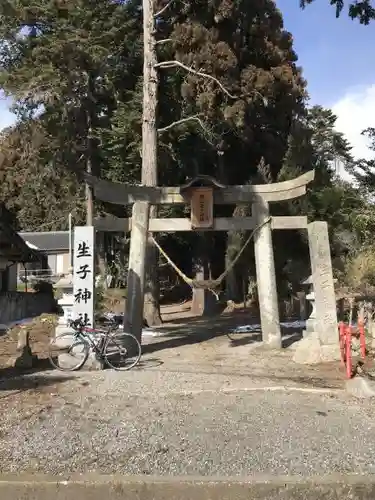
334	54
337	60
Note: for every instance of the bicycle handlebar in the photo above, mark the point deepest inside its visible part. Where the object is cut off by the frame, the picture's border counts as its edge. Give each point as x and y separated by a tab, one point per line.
77	324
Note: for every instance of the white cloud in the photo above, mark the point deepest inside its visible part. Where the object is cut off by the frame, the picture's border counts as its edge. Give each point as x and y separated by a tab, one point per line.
355	112
6	117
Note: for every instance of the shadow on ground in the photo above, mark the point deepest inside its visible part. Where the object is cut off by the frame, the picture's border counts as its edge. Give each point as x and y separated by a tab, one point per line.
146	363
33	378
198	330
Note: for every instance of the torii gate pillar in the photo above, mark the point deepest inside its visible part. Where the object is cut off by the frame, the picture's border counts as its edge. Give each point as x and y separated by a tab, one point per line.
266	277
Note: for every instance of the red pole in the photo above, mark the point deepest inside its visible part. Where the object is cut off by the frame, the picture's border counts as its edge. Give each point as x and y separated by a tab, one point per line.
362	339
342	341
348	351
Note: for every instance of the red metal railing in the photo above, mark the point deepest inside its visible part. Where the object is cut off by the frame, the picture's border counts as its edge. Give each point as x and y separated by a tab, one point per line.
346	333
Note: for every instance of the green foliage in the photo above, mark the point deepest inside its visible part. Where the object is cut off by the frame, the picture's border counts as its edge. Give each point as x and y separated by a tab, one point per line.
33	185
363	10
245	47
74	71
87	89
43	287
314	143
66	65
359	270
364	170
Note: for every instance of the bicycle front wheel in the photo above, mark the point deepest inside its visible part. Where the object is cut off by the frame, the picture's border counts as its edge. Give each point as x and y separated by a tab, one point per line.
67	352
122	351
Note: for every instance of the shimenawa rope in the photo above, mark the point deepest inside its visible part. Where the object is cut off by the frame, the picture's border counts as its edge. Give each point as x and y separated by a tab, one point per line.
212	284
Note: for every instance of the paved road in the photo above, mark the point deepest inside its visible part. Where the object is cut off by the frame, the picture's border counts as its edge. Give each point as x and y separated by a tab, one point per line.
143	488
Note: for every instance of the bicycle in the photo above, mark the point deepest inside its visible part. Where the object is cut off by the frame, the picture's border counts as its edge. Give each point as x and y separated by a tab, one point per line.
68	346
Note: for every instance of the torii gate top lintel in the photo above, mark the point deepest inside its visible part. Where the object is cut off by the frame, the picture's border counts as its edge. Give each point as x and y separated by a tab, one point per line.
126	194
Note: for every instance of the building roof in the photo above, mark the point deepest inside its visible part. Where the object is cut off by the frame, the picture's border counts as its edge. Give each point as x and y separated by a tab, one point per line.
49	241
12	247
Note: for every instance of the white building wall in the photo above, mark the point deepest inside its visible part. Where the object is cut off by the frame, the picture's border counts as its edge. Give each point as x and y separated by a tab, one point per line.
60	263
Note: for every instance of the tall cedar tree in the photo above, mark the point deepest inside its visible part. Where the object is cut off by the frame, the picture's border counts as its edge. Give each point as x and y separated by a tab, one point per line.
247	93
37	190
67	65
244	47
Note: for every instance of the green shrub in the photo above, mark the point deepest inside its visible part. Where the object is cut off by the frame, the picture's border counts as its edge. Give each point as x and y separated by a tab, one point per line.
359	271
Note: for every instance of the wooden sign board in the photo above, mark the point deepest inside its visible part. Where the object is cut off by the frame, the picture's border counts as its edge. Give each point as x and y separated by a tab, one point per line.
202	212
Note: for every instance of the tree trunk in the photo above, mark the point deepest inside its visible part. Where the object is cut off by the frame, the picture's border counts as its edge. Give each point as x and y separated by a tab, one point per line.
234	244
102	260
89	150
231	283
231	280
89	194
149	155
89	202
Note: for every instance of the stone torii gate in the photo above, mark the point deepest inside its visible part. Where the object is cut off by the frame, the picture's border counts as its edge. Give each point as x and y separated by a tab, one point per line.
203	193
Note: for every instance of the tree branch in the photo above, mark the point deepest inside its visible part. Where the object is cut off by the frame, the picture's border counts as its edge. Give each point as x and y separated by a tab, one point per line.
174	64
161	11
166	40
180	122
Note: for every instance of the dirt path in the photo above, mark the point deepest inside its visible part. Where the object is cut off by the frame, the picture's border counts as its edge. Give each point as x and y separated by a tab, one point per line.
191	343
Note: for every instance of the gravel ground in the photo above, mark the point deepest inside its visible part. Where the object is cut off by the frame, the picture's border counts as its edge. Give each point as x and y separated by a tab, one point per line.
199	404
165	422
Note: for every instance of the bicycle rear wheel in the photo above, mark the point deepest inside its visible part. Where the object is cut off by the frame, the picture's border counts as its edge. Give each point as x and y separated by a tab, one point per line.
122	351
67	352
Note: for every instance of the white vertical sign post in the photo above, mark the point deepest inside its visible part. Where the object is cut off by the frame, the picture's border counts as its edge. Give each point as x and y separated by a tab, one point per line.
84	274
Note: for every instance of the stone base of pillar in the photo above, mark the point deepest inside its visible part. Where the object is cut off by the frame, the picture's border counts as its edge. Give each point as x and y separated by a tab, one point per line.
310	326
274	342
66	303
92	363
310	351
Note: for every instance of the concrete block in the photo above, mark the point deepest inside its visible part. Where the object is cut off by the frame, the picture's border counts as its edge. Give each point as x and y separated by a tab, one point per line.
361	387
